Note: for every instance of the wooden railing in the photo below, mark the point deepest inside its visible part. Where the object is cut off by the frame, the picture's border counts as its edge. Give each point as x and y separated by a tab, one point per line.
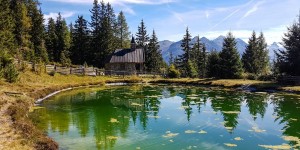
88	71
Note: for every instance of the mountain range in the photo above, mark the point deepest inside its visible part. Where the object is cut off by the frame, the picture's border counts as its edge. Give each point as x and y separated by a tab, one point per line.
167	46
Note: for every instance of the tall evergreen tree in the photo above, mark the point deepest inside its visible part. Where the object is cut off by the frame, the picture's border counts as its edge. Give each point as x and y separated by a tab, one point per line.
95	45
213	64
51	39
80	41
107	33
288	61
185	57
263	56
141	36
63	41
199	57
154	59
123	33
22	28
7	39
249	57
37	31
231	65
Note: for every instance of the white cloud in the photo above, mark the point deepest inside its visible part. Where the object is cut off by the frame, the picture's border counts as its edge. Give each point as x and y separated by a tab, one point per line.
226	18
65	15
253	9
207	14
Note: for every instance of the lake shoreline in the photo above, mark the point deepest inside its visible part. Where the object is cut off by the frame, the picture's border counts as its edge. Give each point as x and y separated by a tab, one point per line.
15	111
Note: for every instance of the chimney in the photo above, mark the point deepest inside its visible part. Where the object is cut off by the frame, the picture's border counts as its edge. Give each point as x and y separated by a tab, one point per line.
133	44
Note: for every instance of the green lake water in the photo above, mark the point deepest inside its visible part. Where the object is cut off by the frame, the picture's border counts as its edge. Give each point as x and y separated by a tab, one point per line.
170	118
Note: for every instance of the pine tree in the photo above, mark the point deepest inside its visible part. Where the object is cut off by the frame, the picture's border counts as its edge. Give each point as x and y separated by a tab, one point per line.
288	61
249	57
123	34
7	40
80	41
37	31
263	57
51	39
107	33
255	58
154	59
22	28
141	36
199	57
231	65
95	45
213	64
63	40
185	57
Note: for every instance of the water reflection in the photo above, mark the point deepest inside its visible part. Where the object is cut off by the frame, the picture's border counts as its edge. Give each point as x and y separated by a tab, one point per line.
110	115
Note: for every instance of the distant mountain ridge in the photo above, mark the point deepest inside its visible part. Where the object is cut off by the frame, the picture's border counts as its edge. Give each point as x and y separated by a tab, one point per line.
167	46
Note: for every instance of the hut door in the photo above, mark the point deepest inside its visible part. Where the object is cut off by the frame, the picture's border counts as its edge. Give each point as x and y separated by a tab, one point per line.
138	67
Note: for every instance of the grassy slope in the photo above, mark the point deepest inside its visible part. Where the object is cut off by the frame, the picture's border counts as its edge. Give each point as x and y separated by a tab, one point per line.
17	131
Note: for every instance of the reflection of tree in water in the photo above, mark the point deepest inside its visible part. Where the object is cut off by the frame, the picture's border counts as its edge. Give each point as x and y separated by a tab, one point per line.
229	104
286	111
192	96
257	104
151	104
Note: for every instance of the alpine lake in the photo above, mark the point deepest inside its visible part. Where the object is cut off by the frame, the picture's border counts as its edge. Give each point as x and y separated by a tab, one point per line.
170	117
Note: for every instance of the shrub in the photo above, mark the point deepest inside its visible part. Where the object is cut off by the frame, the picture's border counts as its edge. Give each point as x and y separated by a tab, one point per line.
251	76
40	68
23	66
192	71
173	72
52	73
11	73
269	77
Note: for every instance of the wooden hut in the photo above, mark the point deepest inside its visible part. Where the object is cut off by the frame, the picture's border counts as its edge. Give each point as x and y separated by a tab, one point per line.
126	61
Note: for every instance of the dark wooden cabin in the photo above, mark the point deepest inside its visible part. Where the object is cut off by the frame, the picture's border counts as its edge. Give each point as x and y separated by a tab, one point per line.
126	61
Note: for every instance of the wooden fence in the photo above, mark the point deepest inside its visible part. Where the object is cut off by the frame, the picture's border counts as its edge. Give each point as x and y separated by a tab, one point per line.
89	71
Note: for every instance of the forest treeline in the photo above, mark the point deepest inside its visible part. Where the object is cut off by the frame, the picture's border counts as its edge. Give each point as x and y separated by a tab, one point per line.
197	61
26	36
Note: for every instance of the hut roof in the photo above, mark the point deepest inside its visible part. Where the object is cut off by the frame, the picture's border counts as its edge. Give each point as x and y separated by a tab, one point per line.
127	56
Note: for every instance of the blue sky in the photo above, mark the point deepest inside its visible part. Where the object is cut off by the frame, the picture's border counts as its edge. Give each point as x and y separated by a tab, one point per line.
209	18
